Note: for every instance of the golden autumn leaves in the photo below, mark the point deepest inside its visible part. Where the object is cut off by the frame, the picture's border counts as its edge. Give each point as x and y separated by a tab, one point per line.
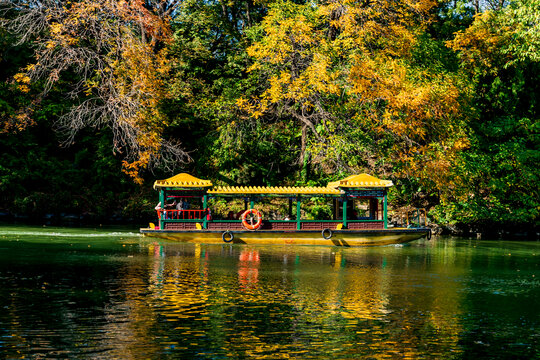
114	53
343	72
337	67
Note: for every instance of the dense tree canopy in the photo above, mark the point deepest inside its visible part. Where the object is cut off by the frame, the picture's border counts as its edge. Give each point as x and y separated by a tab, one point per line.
441	97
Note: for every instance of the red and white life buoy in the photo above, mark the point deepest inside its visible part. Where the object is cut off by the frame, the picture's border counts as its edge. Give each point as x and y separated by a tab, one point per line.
251	225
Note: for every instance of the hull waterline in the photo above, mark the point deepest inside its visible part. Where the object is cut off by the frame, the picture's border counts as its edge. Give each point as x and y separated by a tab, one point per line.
335	238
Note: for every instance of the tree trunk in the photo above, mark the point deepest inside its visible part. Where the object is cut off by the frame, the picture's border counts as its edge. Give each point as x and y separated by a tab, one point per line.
304	154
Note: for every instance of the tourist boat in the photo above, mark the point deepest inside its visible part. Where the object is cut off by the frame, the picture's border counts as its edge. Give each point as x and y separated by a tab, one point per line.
358	206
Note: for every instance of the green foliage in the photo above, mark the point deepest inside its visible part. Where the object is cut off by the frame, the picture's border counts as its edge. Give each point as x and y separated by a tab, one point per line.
522	18
303	93
318	209
497	180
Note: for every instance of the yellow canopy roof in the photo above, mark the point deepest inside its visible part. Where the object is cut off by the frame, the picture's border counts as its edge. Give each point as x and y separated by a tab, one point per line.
285	190
362	180
183	180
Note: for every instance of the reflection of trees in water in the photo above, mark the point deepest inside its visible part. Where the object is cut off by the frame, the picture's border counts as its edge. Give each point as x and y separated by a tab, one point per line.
68	303
235	301
432	299
285	298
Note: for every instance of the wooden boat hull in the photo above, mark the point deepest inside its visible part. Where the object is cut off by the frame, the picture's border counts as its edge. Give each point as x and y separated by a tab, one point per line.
301	237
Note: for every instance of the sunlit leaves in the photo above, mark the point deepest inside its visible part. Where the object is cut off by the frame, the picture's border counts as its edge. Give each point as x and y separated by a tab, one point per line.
113	54
497	39
344	71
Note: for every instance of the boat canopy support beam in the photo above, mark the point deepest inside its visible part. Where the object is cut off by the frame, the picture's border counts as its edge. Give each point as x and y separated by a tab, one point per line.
385	210
345	211
298	214
162	213
205	207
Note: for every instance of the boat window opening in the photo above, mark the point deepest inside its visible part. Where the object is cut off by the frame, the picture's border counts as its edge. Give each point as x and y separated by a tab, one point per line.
359	209
181	205
317	208
375	209
275	208
224	208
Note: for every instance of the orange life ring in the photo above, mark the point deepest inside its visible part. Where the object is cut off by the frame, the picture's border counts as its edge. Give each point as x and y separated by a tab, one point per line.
252	226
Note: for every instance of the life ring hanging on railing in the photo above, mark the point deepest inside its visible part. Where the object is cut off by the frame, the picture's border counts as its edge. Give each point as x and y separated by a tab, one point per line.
251	225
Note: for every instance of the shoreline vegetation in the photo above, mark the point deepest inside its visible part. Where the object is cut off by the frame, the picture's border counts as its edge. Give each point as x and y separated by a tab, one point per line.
99	98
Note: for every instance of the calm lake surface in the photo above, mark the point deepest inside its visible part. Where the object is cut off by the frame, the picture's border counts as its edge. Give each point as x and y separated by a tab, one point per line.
102	293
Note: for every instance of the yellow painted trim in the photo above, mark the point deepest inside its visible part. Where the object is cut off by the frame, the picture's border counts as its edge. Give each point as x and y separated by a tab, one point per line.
366	238
183	180
291	190
362	180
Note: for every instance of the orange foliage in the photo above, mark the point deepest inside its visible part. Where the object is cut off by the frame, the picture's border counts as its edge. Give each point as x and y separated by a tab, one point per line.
115	47
358	55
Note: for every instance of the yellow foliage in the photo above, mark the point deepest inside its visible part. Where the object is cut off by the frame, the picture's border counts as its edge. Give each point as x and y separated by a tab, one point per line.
22	80
112	45
479	45
358	53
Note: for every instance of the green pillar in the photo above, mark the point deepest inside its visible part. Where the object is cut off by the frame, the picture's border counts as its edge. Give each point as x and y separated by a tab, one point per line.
345	211
298	214
205	205
251	203
162	201
385	211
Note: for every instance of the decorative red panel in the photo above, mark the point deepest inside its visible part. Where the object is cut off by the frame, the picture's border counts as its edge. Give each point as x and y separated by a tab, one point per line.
366	225
225	226
320	225
180	226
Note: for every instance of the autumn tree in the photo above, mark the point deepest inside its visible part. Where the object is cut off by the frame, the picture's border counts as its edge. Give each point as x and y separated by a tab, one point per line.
113	53
346	73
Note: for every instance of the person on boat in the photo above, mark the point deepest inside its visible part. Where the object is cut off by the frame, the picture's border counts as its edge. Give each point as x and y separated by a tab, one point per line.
169	207
182	205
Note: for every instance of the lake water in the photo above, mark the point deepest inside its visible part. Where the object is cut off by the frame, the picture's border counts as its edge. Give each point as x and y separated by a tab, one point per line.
106	293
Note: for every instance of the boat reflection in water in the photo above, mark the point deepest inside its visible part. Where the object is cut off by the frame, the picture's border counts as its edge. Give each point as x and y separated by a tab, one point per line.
229	300
248	268
111	296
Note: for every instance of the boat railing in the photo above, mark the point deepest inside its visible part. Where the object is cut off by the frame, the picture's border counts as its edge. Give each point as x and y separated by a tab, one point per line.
175	214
